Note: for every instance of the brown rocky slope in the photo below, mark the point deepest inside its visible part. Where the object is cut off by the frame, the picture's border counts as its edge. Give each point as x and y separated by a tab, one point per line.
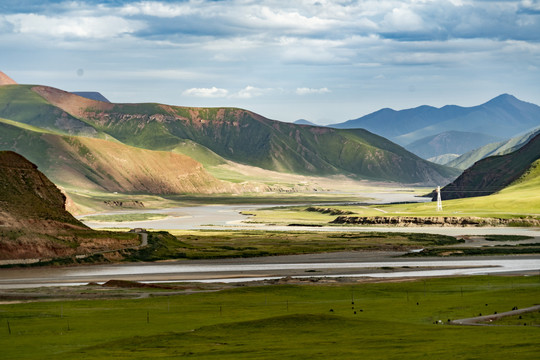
33	219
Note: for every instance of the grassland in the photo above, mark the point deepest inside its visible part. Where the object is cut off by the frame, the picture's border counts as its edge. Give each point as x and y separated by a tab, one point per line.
207	244
531	319
91	201
519	200
503	205
325	321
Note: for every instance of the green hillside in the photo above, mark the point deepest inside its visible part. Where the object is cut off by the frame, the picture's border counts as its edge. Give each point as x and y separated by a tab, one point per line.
497	148
494	173
21	104
248	138
520	199
101	165
214	136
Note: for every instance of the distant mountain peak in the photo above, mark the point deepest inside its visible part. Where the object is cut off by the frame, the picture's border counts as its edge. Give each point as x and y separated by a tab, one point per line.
502	117
503	98
92	95
304	122
6	80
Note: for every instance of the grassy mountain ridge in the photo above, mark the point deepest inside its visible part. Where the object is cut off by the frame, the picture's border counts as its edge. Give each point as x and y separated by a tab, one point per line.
248	138
498	148
98	164
494	173
21	104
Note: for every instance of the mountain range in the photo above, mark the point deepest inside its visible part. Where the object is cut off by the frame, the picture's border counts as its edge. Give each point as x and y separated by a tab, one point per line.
449	142
503	116
101	165
211	136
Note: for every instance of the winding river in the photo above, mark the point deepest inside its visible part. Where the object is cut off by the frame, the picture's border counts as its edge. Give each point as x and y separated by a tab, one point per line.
351	264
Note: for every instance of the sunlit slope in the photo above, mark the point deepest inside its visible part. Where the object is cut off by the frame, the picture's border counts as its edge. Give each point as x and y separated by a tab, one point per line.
248	138
97	164
21	104
494	173
522	198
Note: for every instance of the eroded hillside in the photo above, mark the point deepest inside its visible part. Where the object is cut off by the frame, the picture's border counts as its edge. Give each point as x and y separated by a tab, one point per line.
33	219
248	138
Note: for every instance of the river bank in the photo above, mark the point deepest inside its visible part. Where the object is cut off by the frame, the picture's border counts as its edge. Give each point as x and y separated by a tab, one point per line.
327	265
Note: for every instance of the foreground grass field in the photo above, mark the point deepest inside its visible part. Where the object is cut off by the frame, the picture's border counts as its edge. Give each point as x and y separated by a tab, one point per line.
348	321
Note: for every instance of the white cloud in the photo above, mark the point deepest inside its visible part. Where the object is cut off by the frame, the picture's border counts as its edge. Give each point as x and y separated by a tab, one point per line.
402	19
212	92
531	4
290	19
67	26
309	91
246	93
157	9
249	92
355	48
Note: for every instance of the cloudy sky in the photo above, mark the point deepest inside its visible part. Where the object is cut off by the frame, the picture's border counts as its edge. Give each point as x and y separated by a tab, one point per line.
322	60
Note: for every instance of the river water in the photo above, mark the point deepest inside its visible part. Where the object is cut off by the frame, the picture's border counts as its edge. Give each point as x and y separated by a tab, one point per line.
228	217
236	270
212	216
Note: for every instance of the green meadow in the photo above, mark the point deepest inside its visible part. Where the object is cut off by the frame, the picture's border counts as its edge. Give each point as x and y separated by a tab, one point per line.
520	200
208	244
386	320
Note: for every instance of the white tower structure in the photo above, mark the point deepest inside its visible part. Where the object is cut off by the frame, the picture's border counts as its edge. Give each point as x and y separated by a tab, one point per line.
439	201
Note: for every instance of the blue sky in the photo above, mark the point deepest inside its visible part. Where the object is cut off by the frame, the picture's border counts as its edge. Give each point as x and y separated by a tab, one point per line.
325	61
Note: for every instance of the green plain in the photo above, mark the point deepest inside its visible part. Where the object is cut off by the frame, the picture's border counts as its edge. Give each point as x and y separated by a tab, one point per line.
208	244
519	200
392	321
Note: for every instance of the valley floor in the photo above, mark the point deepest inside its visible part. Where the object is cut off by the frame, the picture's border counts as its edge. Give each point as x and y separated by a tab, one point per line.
342	266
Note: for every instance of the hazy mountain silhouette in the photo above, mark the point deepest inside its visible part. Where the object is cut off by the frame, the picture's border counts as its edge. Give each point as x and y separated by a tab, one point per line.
502	117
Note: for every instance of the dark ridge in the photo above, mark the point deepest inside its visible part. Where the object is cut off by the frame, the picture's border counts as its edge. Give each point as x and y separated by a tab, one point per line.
494	173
